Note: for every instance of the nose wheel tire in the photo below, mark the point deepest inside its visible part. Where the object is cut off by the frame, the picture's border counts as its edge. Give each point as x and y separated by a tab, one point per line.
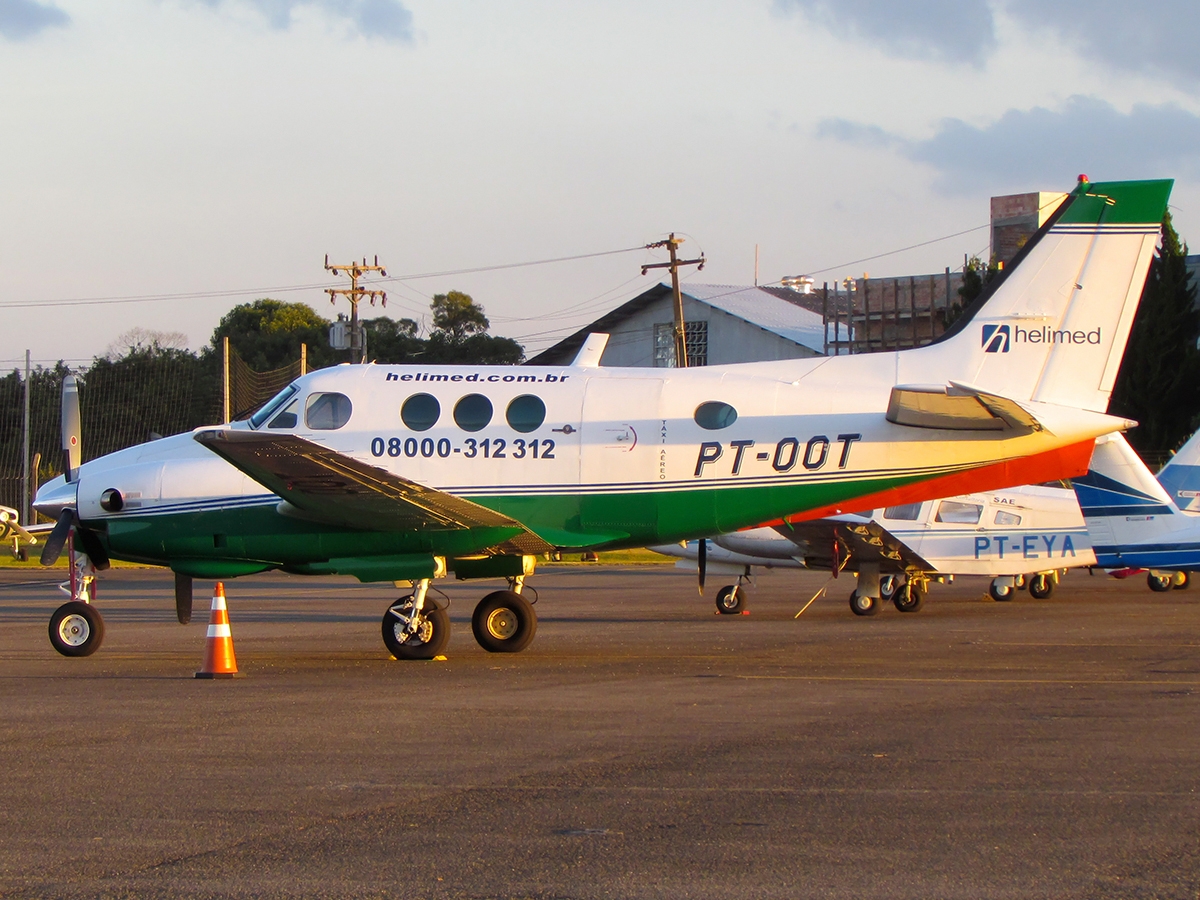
1041	586
504	622
76	629
731	600
862	605
908	597
430	638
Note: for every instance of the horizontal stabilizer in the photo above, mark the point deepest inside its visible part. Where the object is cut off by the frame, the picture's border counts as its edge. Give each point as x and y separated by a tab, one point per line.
958	407
330	487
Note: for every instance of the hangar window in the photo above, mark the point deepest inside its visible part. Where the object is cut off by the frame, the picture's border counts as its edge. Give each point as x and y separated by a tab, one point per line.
1003	517
954	512
909	512
272	407
473	412
325	412
420	412
287	418
714	415
526	413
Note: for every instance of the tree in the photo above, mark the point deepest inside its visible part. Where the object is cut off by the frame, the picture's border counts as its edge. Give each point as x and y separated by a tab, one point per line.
267	334
460	335
392	340
976	276
1159	380
457	316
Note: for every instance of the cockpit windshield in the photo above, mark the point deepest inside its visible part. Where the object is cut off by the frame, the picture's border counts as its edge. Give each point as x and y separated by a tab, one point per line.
277	401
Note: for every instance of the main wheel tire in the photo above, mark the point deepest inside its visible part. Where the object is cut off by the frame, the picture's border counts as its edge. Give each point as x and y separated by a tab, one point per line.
863	606
430	639
1022	582
1158	583
76	629
731	600
1180	581
1041	586
1001	593
504	622
908	598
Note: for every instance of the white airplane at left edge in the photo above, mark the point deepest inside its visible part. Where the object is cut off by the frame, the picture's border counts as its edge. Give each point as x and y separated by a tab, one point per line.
405	473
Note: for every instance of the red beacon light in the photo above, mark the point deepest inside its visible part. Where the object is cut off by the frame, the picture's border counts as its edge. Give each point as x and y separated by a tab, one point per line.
1083	179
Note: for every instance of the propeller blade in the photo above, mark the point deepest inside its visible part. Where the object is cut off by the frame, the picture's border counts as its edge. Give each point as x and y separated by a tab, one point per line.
702	562
93	547
71	427
57	538
183	598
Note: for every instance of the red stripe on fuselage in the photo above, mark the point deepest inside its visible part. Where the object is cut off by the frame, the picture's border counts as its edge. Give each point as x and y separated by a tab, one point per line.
1053	465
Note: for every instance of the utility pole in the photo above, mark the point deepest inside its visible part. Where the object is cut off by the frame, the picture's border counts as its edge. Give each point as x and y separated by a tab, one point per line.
25	473
355	271
672	243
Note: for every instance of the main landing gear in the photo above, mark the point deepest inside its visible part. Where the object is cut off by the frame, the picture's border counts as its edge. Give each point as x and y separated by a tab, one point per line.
906	592
417	628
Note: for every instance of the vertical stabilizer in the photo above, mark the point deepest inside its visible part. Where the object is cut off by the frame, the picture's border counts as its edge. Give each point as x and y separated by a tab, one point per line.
1181	476
1053	328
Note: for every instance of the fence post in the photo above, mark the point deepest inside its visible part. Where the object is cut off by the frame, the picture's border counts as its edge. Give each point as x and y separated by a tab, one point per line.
225	381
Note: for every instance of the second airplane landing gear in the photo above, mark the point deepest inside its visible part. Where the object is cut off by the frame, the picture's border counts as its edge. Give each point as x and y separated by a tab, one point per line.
731	600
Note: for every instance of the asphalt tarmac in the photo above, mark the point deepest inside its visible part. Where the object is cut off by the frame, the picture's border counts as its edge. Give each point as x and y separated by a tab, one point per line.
641	747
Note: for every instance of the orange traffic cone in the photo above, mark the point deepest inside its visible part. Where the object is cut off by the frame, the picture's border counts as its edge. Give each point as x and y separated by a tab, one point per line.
219	661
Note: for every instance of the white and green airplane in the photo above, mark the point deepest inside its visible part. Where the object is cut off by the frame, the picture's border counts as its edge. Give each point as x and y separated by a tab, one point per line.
406	473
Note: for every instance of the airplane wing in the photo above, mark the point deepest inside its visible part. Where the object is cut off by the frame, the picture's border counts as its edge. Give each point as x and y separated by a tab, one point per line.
337	489
958	407
825	543
12	529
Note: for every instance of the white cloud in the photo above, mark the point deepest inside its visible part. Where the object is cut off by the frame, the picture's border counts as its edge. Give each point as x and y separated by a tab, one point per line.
22	19
955	31
386	19
1044	146
1151	38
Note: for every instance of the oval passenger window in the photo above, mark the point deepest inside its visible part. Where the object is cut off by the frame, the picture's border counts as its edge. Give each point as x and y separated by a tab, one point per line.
526	413
420	412
325	412
473	412
714	415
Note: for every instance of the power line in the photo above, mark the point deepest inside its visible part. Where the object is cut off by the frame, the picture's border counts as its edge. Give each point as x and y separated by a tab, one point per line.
281	289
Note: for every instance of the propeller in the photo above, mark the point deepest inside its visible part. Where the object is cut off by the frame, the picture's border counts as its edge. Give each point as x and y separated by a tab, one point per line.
68	519
702	562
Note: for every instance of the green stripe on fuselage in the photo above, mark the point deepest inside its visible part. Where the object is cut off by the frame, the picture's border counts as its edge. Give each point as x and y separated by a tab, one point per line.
630	519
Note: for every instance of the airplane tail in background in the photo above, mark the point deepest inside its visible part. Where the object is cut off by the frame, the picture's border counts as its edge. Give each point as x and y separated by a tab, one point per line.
1118	484
1181	476
1053	327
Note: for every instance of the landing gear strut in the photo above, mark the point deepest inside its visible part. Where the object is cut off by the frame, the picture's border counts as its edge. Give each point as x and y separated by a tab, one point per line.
414	627
77	628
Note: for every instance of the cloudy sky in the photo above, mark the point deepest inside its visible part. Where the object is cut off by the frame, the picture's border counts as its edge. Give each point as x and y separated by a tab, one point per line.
212	151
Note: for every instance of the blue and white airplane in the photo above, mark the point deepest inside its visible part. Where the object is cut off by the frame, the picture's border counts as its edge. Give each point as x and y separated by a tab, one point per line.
1135	520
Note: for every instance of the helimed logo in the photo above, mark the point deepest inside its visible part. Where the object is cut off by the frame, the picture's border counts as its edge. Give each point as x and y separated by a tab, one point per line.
1000	338
996	338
